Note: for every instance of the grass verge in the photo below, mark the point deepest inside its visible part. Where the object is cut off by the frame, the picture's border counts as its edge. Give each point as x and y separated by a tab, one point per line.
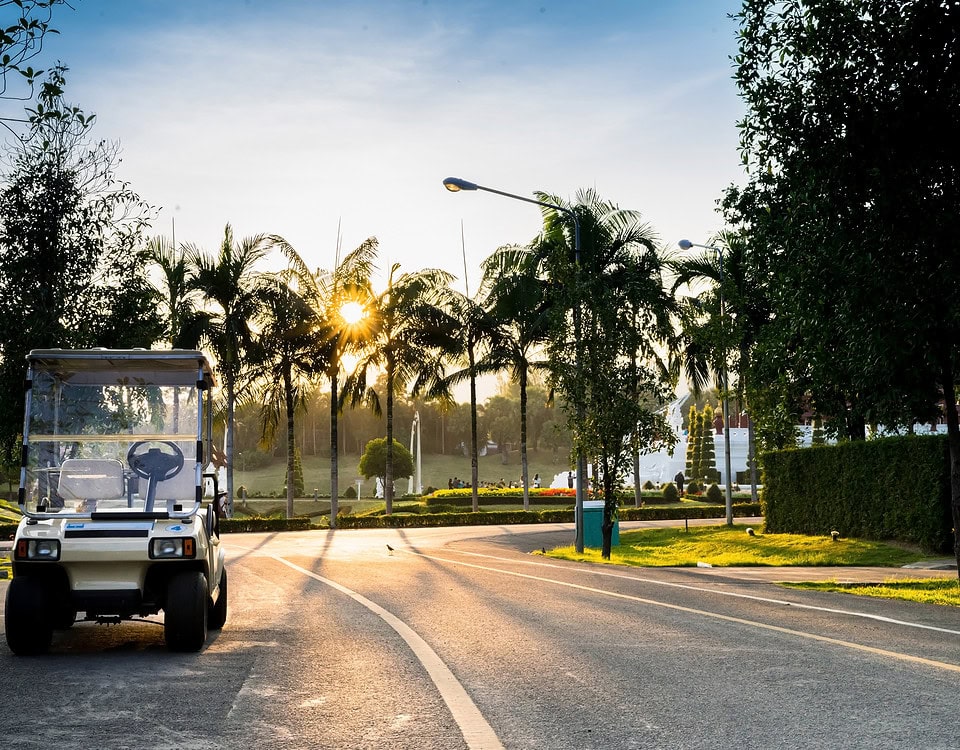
725	546
944	591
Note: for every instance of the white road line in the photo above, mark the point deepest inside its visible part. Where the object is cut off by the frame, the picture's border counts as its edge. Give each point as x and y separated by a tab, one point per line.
714	591
478	734
705	613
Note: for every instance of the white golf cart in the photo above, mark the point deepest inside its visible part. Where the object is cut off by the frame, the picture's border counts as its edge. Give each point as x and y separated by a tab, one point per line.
116	521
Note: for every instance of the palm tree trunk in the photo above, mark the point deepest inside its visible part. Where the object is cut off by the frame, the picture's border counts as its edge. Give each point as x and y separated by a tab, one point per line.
291	437
523	439
388	478
228	444
334	469
474	463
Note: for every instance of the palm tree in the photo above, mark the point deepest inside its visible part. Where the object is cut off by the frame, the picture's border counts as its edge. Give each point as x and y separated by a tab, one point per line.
516	294
184	318
600	356
231	285
283	364
409	331
474	330
726	316
340	300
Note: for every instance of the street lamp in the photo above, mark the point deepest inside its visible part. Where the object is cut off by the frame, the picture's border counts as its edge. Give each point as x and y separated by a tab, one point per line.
455	185
686	245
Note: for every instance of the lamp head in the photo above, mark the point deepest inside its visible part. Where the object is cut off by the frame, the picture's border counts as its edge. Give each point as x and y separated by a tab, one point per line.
455	184
685	244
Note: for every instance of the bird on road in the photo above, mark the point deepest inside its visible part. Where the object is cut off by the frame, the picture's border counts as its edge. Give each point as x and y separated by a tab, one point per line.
389	550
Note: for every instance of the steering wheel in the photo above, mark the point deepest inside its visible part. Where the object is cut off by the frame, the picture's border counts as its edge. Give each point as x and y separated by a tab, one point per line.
155	465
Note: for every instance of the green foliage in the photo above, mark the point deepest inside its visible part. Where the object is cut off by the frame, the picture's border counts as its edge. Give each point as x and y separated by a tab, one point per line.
670	492
891	488
845	150
350	492
494	518
694	487
72	270
298	484
715	494
373	462
648	485
708	449
258	523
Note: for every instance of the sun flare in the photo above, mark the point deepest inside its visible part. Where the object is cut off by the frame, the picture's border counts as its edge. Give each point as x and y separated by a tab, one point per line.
352	312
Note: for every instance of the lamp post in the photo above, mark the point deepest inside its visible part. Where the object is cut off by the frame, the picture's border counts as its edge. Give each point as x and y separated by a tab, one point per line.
686	245
455	185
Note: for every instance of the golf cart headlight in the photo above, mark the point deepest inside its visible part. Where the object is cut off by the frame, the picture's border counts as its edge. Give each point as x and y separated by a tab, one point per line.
172	548
38	549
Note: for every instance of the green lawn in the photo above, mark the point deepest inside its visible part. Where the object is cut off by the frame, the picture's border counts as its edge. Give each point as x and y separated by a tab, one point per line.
945	591
435	470
722	546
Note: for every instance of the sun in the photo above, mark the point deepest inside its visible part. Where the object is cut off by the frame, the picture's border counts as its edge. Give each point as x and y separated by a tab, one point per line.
352	312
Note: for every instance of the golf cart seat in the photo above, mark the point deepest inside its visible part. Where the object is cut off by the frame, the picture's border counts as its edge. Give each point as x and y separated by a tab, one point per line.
91	479
180	488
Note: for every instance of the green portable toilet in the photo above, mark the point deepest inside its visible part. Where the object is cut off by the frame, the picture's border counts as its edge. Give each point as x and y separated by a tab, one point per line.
593	525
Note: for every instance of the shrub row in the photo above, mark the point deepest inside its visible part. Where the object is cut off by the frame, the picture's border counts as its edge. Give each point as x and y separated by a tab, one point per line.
546	496
557	515
257	523
890	488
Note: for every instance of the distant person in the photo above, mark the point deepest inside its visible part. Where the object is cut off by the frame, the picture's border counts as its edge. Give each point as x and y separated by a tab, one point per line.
536	481
569	480
449	484
679	480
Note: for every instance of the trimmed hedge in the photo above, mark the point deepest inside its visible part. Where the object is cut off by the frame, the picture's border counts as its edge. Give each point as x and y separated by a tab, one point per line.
891	488
256	523
565	515
466	518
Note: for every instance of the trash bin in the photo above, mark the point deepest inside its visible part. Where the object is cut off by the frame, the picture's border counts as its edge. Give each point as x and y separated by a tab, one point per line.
593	525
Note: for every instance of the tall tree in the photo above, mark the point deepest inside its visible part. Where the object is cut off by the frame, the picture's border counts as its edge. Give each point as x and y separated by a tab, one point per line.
340	300
593	348
72	268
283	364
723	322
185	321
473	331
516	290
409	334
24	26
853	107
231	284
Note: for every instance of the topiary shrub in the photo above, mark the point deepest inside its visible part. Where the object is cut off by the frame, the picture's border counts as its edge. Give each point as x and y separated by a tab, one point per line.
648	485
670	492
715	494
694	488
350	492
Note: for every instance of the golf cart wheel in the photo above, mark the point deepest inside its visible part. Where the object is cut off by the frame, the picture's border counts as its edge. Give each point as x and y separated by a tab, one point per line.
185	616
65	617
218	612
26	617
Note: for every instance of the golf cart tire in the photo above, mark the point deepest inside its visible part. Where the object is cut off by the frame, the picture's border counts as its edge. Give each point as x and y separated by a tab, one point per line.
218	612
26	617
185	616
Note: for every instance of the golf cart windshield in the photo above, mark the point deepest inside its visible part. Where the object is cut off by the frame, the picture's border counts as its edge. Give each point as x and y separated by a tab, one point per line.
115	433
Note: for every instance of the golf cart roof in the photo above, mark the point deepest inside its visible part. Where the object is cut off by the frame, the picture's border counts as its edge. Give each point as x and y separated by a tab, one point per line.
124	366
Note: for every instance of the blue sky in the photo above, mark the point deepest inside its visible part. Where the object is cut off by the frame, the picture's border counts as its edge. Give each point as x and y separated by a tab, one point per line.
291	116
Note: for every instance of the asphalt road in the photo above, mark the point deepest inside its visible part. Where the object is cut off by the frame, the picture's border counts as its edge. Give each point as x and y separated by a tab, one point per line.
460	638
